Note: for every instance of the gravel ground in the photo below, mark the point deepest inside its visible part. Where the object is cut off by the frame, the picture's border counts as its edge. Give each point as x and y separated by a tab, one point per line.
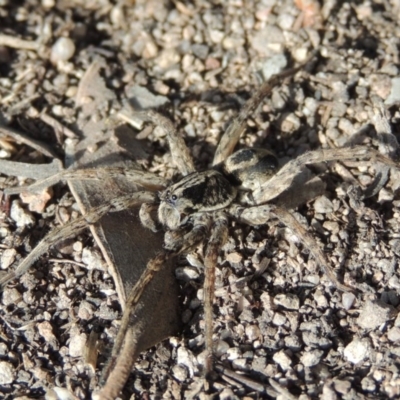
281	330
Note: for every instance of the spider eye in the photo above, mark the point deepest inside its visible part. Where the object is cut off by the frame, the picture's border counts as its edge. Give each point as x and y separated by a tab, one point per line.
174	197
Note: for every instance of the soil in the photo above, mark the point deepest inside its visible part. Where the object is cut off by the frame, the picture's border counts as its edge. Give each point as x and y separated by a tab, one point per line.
281	329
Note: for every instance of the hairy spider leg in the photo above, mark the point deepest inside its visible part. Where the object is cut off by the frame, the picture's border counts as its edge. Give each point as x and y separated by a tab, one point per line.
282	180
120	366
179	151
148	180
219	235
260	215
76	226
236	128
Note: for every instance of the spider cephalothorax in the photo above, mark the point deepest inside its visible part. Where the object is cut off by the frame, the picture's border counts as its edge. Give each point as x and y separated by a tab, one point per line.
216	188
196	192
195	210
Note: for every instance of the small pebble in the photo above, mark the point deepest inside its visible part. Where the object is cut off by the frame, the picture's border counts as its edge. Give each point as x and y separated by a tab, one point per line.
273	65
374	314
62	50
179	372
279	319
11	296
21	216
282	359
394	95
253	332
93	259
342	386
357	350
221	348
186	358
288	301
233	353
311	358
187	273
77	345
394	334
7	258
368	384
46	332
142	98
7	373
348	299
323	205
58	393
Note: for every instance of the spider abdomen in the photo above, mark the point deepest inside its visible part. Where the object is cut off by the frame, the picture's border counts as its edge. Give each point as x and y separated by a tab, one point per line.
249	168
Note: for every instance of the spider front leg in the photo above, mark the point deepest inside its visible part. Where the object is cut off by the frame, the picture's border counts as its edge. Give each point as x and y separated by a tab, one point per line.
76	226
146	218
219	235
179	151
148	180
121	360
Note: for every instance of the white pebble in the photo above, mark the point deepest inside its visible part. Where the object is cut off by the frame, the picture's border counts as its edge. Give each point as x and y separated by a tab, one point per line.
77	345
63	49
11	296
58	393
7	373
311	358
348	300
288	301
8	258
233	353
187	273
21	216
282	359
48	3
253	332
186	358
273	65
179	372
93	259
323	205
356	351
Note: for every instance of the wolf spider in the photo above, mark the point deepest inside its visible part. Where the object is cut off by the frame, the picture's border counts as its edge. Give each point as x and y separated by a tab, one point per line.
197	209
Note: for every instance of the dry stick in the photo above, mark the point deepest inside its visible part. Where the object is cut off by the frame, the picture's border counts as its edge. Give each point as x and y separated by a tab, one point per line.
27	170
21	138
16	43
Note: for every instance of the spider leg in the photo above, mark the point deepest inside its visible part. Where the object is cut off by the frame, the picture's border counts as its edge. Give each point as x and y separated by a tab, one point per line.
74	227
236	128
179	151
146	218
285	176
259	215
219	235
146	179
121	360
